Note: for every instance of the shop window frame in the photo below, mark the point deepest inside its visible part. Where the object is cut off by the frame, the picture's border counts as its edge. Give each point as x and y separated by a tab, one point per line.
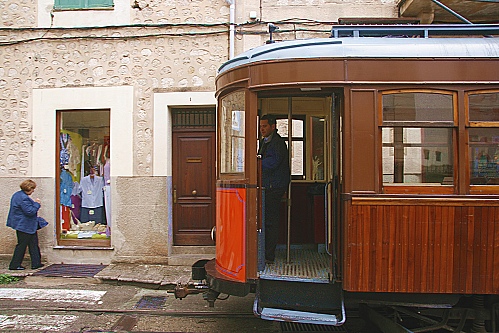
72	243
419	188
473	124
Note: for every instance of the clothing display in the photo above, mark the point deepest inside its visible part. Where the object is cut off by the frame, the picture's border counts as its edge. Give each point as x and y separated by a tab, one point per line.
90	189
85	203
75	201
66	188
92	199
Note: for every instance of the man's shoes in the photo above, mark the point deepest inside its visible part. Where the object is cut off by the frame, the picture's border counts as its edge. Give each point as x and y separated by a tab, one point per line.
18	268
37	266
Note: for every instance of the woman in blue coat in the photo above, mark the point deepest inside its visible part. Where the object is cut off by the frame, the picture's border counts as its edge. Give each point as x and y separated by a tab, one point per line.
23	218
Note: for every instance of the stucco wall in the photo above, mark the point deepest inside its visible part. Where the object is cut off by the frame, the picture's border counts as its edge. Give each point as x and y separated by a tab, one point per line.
139	230
146	63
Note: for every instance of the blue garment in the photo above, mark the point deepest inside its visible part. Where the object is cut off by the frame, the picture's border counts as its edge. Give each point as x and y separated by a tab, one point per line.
66	188
275	162
22	214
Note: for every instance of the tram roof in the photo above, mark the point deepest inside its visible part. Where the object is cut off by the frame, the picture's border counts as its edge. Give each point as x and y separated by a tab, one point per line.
462	46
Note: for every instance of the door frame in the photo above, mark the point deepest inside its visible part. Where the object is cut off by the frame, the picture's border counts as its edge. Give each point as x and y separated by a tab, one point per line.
162	139
191	133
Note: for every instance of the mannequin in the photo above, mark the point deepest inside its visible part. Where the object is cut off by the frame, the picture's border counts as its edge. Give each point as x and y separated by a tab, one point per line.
92	200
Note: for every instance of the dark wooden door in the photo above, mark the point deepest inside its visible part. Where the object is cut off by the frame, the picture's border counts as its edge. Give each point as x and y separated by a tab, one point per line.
194	187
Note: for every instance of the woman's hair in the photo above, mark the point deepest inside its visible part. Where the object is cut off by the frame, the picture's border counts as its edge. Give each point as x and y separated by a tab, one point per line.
28	185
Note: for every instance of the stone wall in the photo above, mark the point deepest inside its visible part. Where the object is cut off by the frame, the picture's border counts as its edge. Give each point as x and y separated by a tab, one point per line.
146	59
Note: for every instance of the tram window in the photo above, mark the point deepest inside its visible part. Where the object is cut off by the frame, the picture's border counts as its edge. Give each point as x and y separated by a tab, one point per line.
232	138
417	136
484	107
297	144
318	136
483	134
417	155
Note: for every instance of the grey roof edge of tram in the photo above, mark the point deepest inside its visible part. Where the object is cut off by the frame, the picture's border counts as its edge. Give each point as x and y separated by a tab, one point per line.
386	46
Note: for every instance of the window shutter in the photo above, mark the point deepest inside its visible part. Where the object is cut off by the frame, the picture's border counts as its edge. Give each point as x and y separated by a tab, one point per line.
65	4
82	4
100	3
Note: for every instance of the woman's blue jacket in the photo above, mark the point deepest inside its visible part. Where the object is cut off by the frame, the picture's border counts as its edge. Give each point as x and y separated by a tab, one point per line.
23	213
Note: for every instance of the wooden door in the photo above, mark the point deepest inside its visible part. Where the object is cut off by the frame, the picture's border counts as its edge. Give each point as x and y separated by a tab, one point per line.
193	187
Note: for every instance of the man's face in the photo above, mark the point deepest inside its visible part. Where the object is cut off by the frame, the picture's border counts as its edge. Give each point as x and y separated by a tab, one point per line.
265	128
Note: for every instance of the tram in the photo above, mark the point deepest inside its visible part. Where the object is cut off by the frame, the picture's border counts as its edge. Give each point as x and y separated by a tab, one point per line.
393	138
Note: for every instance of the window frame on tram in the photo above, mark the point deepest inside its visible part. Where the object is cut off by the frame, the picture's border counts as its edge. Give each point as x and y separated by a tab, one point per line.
234	171
487	124
447	184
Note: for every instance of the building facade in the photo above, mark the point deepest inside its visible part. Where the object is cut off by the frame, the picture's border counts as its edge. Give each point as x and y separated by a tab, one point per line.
109	106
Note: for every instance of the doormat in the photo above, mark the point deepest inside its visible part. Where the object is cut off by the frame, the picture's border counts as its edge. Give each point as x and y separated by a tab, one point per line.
67	270
151	302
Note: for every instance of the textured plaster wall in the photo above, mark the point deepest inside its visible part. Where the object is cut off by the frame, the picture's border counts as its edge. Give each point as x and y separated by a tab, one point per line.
141	222
146	63
44	191
140	233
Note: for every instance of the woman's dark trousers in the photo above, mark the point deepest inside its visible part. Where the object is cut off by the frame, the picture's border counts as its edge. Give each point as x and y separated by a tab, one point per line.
26	240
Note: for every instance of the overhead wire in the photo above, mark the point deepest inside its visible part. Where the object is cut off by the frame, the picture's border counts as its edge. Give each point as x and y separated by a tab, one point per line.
241	29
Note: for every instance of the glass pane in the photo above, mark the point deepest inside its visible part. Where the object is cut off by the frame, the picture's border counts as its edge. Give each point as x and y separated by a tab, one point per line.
318	148
297	159
298	128
84	175
297	149
417	107
484	107
232	138
417	155
484	156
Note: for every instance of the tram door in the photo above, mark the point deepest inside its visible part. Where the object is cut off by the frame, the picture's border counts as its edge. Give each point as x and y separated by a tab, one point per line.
306	227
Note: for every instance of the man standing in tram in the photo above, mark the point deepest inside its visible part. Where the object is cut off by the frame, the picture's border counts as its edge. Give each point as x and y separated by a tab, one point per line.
275	180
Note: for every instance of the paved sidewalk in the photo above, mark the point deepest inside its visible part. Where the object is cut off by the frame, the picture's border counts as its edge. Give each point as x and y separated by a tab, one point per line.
152	276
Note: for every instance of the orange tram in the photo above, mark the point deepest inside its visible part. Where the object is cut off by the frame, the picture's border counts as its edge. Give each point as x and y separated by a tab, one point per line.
393	206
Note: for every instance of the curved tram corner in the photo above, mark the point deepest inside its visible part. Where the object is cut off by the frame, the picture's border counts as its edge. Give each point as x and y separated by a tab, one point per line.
393	206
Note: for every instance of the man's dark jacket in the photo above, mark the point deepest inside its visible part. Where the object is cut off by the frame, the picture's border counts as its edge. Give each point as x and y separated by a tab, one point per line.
275	162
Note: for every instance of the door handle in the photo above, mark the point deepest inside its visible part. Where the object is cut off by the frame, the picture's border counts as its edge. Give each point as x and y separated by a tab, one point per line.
174	195
194	192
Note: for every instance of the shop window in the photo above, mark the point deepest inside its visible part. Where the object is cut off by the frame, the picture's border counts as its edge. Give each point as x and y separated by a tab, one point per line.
84	196
417	131
483	131
82	4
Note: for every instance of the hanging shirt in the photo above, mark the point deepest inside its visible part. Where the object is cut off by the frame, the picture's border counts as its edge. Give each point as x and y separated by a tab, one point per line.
66	188
91	191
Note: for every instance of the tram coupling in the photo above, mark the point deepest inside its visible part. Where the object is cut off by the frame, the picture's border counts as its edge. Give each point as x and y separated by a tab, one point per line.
198	273
182	290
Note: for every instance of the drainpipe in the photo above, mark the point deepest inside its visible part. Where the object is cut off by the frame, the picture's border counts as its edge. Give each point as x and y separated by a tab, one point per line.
232	21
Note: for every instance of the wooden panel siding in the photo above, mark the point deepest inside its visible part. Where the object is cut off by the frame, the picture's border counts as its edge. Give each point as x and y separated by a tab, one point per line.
414	246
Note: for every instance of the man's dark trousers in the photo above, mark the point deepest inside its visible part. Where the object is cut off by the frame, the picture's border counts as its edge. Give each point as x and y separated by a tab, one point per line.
272	208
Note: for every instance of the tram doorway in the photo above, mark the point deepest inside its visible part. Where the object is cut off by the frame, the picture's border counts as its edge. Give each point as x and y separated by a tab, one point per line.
310	127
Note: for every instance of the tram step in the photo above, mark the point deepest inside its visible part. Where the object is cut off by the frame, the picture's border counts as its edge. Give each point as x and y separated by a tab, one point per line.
304	302
298	316
297	295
